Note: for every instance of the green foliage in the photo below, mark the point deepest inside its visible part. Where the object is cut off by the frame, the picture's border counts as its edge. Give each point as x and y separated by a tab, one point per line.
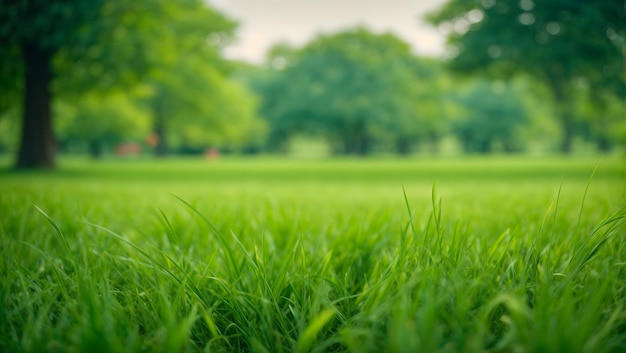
195	106
600	118
51	24
554	38
9	130
100	120
493	116
265	255
103	44
356	88
83	48
560	43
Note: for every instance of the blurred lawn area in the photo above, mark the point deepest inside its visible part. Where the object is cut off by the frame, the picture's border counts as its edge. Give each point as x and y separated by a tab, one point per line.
276	169
470	187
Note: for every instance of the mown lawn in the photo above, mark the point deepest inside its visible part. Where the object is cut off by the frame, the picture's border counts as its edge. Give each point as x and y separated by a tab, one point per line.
281	255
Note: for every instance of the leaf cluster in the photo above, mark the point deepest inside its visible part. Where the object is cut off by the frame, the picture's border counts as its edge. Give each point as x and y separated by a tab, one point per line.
356	88
554	39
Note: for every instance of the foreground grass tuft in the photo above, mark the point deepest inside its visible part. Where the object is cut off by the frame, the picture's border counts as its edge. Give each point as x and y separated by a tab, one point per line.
91	265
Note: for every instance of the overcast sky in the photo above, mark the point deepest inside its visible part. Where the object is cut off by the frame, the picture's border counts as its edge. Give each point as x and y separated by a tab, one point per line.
265	22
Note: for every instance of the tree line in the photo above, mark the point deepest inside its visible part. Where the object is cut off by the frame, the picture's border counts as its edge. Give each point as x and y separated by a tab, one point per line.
85	76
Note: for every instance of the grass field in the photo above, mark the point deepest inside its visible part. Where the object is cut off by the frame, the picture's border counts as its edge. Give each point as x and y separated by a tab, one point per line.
344	255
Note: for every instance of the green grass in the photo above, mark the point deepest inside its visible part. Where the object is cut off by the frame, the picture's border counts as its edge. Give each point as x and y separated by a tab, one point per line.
269	255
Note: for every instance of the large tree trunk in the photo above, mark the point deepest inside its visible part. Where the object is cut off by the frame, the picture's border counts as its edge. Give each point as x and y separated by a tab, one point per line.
37	145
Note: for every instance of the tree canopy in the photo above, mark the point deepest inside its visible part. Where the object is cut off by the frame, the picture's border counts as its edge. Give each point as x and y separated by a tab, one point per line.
351	92
492	114
559	42
195	106
66	48
100	120
356	88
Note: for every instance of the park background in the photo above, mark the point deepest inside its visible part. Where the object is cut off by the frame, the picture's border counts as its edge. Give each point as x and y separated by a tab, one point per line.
345	190
169	78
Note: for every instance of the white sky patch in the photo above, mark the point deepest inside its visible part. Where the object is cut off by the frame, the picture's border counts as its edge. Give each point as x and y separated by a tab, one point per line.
266	22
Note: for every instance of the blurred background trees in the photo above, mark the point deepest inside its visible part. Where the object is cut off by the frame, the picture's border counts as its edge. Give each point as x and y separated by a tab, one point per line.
491	117
78	50
356	89
99	121
563	44
522	76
